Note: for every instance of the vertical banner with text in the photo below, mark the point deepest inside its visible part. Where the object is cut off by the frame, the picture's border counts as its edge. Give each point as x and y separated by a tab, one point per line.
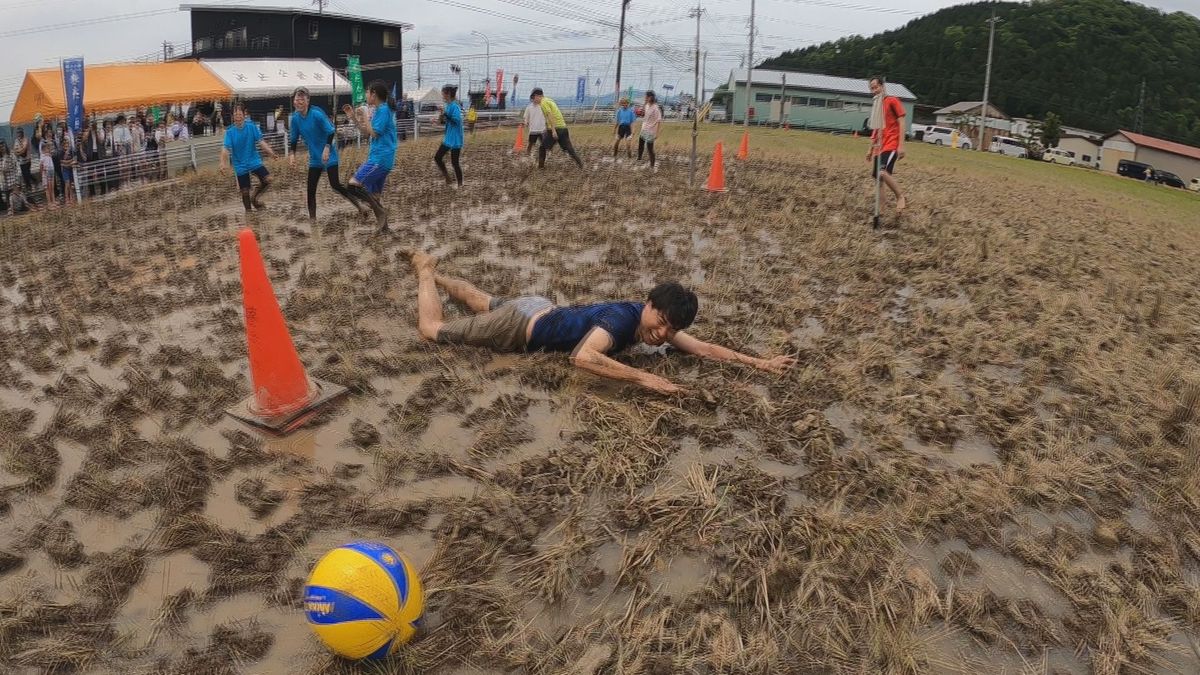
354	70
580	89
72	71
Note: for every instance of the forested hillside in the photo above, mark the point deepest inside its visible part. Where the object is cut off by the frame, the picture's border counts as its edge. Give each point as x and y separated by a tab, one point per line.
1082	59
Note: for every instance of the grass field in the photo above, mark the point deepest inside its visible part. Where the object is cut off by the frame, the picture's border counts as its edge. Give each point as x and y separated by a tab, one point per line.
987	459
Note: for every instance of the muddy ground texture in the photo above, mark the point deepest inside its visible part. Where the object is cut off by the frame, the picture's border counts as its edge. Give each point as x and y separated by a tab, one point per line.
985	461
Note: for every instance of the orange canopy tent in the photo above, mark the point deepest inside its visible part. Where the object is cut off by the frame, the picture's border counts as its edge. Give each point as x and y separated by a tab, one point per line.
117	86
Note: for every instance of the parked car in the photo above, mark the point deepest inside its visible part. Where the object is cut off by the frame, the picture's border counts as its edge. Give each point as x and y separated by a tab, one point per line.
1137	170
1194	185
1008	146
942	136
1167	178
1056	156
717	114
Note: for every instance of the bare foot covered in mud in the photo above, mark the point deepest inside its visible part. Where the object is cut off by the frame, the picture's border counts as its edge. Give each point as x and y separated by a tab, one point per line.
422	261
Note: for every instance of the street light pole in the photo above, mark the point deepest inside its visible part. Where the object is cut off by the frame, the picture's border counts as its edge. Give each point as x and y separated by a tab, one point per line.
488	63
699	99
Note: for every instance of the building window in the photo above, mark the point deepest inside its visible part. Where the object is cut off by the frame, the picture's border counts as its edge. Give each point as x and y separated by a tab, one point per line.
762	98
203	44
834	105
313	30
1087	159
236	38
391	38
799	100
356	35
817	102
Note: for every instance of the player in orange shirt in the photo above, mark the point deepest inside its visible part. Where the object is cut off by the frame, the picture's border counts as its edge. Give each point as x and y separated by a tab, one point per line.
888	142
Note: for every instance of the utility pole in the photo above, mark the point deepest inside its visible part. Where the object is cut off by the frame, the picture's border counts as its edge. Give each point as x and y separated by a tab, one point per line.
749	71
417	49
1137	120
620	51
651	87
167	48
699	97
320	5
782	97
987	81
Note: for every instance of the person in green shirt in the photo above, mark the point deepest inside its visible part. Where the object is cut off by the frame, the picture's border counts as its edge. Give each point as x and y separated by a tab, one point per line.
556	129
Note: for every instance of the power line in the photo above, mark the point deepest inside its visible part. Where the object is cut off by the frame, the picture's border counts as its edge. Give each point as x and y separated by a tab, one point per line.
87	22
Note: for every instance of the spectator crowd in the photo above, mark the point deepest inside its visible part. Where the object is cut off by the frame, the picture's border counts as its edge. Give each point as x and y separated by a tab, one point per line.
128	150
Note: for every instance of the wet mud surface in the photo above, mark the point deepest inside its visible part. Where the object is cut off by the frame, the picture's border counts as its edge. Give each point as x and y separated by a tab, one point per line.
986	460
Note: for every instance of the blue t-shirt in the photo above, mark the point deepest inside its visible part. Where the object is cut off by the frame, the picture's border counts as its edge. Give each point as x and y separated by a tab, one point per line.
626	116
562	328
242	145
383	145
453	137
314	128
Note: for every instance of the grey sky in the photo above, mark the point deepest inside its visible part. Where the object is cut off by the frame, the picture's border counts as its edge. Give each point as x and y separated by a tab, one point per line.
33	36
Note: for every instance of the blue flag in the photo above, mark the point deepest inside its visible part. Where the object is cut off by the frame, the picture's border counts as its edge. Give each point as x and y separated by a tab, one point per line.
72	70
580	89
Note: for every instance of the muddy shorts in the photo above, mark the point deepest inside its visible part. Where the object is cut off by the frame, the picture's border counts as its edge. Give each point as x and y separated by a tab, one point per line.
503	328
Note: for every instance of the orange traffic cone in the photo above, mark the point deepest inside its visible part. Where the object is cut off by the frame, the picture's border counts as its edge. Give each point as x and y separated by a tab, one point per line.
716	175
744	150
856	133
284	396
519	144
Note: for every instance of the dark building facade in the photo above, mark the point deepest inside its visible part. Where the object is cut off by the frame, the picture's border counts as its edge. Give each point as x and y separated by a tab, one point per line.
232	32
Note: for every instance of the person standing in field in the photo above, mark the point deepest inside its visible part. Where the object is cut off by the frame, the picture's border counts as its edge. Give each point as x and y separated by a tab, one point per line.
367	184
23	152
887	140
556	130
651	120
452	140
535	124
472	118
626	116
47	160
320	137
242	142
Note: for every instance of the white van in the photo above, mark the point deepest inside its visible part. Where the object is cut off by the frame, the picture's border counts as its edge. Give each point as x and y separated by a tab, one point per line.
1056	156
942	135
1008	146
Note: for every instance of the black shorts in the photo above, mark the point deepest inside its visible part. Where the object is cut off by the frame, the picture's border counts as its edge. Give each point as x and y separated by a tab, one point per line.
243	179
887	161
534	138
624	131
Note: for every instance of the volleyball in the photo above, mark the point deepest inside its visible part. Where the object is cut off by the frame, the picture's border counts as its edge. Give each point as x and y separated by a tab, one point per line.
363	600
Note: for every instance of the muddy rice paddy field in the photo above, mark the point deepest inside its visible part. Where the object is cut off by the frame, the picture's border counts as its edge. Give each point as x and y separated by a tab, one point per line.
985	461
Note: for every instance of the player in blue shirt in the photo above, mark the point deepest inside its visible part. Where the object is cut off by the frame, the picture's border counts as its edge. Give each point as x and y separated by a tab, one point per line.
452	140
367	184
589	332
242	141
626	116
310	123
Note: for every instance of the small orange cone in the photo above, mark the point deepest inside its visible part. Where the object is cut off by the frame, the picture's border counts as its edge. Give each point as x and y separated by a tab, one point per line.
856	133
744	150
283	394
716	175
519	144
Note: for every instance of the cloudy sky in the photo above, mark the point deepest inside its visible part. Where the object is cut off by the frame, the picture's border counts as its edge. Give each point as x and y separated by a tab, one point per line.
37	33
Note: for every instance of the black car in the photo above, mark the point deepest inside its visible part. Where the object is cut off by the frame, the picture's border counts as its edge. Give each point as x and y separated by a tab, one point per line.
1132	169
1169	179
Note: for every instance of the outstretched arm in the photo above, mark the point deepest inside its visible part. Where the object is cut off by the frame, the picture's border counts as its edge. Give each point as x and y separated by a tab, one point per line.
590	355
691	345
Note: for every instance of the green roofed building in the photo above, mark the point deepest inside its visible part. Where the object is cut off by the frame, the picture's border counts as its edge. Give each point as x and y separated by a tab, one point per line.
806	100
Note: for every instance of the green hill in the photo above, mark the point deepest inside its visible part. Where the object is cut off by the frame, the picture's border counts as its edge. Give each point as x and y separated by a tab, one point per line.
1082	59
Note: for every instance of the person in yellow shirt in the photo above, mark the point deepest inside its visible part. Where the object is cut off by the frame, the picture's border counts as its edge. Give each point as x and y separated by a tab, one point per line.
556	129
472	117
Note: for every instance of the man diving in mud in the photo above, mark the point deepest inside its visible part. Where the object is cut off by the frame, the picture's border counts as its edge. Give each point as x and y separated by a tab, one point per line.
589	332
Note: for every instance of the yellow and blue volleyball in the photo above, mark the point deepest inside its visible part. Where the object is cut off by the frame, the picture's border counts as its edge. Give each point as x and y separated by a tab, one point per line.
364	600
